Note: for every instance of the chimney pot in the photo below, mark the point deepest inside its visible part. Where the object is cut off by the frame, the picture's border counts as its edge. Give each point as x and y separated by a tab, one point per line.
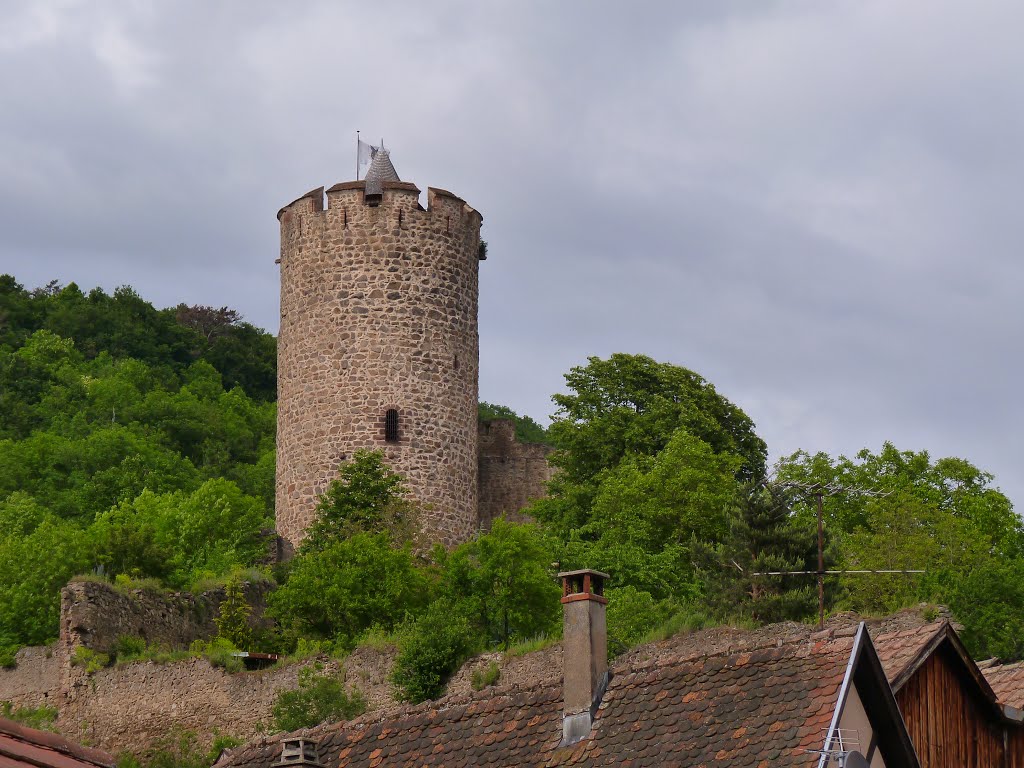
298	752
584	650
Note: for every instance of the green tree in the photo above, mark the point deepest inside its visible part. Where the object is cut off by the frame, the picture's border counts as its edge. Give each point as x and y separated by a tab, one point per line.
504	581
626	409
647	513
234	614
367	496
348	586
763	536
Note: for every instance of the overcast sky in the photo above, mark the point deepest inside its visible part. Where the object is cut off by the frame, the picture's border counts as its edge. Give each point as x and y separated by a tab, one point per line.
815	205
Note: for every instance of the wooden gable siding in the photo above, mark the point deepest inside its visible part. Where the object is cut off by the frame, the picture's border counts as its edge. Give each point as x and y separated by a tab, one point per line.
950	725
1015	746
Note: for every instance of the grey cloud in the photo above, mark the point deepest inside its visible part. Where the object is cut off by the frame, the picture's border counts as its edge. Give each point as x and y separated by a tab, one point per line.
815	205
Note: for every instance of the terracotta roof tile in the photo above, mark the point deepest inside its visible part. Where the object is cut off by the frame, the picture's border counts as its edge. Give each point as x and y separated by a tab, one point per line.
1007	681
21	746
755	708
899	650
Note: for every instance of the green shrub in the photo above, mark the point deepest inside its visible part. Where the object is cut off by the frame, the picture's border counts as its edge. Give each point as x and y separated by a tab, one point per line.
319	698
632	614
179	749
486	677
92	661
8	656
220	652
129	647
40	718
431	649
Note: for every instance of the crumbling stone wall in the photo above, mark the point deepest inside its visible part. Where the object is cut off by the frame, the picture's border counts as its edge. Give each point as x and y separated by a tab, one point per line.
34	680
134	706
512	474
95	615
379	312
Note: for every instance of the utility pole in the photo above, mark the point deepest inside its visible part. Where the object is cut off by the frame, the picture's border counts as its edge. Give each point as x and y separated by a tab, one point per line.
819	491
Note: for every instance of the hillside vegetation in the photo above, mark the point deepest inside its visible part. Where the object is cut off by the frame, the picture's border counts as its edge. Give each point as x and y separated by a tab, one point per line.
138	443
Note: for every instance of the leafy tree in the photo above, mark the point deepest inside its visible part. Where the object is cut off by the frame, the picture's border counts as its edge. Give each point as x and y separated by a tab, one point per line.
989	600
367	496
527	430
949	484
647	513
348	586
503	580
33	569
631	405
625	411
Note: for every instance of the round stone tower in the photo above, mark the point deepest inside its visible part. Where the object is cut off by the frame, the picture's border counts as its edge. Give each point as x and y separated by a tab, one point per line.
378	346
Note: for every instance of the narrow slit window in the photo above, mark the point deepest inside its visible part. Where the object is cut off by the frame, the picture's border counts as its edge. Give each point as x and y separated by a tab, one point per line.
391	425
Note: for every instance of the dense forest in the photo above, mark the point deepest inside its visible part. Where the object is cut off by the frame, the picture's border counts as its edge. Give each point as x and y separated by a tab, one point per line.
137	446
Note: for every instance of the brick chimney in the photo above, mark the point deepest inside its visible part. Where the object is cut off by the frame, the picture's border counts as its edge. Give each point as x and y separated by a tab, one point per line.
584	651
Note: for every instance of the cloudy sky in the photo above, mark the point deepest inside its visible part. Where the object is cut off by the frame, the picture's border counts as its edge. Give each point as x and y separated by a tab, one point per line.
816	205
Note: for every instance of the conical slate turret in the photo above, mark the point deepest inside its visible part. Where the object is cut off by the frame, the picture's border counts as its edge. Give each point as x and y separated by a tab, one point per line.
380	170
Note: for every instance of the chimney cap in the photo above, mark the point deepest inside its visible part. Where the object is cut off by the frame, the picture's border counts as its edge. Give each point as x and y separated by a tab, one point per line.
583	571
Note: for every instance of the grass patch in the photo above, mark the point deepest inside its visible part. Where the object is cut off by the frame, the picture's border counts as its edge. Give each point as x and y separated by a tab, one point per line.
532	645
252	575
91	661
377	639
130	648
486	677
40	718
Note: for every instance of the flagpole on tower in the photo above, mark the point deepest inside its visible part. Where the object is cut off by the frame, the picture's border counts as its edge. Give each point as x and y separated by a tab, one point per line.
357	155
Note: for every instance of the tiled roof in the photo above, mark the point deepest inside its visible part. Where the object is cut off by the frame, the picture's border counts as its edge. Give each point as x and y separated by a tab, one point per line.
1007	680
900	651
761	708
21	746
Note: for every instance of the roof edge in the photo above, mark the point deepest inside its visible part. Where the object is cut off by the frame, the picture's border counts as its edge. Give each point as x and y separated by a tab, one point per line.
57	743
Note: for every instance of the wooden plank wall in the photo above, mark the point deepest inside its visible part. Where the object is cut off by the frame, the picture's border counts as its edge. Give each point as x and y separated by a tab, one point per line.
949	725
1015	747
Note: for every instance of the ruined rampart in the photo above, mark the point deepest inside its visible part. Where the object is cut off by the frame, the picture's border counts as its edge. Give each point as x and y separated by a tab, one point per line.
512	474
94	615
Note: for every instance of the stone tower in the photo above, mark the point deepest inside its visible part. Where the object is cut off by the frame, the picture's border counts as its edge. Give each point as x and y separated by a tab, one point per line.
378	346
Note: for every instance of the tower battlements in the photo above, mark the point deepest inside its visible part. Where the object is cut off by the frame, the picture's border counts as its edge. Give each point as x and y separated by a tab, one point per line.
378	347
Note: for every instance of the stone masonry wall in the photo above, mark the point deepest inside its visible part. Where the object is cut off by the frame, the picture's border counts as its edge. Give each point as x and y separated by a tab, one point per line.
34	680
134	706
95	615
379	312
512	474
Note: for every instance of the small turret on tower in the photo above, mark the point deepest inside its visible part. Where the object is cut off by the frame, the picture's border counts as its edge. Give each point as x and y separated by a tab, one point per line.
380	171
378	346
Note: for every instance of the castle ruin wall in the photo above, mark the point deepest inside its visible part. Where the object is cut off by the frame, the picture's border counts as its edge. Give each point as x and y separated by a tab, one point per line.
34	680
512	474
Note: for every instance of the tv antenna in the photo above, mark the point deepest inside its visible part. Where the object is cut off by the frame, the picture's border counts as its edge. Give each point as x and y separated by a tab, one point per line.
818	492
